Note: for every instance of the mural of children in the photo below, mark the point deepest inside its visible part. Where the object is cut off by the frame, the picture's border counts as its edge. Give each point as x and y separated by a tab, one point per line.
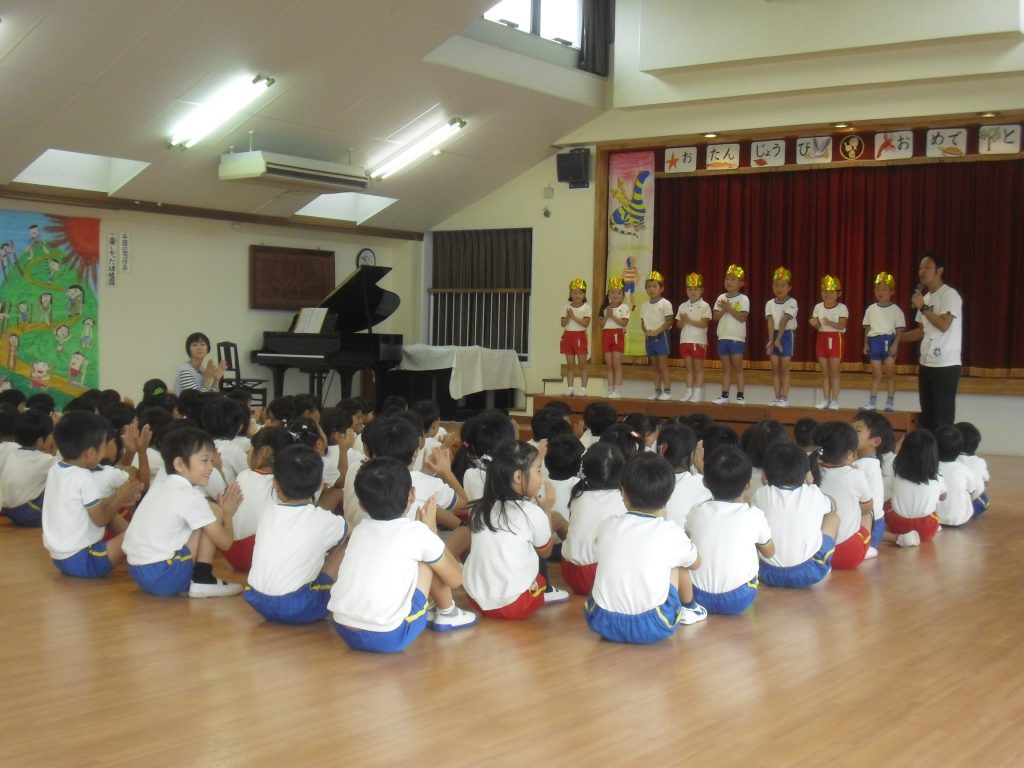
39	378
45	308
54	267
85	340
74	295
5	316
12	350
34	238
63	333
76	369
6	252
24	315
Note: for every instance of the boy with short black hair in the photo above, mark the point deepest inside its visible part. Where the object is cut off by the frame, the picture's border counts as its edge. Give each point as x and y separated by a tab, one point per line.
336	424
307	406
598	417
803	429
562	461
977	465
175	532
391	564
729	534
23	479
642	590
874	439
298	544
74	517
957	507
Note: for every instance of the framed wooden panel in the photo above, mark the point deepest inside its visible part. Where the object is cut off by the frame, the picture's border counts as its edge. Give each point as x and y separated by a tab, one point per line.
289	278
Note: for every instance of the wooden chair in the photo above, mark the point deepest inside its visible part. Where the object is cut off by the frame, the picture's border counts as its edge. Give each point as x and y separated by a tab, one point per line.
228	350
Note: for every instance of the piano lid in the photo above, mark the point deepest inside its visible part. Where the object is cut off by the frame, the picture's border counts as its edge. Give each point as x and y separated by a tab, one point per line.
359	303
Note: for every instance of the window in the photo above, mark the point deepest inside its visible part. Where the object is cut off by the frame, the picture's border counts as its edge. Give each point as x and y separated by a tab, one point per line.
558	20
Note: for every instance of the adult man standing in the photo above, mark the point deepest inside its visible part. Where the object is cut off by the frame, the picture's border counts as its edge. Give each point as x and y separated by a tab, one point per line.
940	330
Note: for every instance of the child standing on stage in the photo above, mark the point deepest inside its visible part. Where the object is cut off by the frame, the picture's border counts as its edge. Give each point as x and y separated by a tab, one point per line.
642	590
693	319
656	320
977	465
917	490
575	321
731	311
882	321
781	315
829	318
849	489
613	335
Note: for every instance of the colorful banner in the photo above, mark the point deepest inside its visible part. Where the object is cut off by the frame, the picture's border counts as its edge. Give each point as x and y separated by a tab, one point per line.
631	232
49	308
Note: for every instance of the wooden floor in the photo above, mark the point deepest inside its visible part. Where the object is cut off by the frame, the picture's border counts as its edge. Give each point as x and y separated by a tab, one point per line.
915	659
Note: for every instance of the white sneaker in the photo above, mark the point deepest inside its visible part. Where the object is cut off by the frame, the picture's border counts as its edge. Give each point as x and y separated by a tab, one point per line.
782	402
871	553
833	405
555	595
614	394
822	405
740	400
686	398
656	395
692	615
219	589
720	400
666	394
696	397
568	392
580	391
458	619
911	539
867	407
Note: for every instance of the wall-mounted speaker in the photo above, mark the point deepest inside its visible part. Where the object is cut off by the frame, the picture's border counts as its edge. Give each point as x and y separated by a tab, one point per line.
574	167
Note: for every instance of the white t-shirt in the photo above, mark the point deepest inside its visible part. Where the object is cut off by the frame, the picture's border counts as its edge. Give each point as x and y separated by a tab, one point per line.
6	449
581	311
563	489
24	476
379	572
655	313
429	444
883	319
940	349
957	508
979	468
257	496
688	493
871	468
331	472
777	310
587	512
108	479
291	544
427	486
694	310
473	483
888	473
164	521
503	564
157	468
725	534
636	554
67	526
621	312
913	500
794	516
350	503
729	328
848	487
232	459
832	314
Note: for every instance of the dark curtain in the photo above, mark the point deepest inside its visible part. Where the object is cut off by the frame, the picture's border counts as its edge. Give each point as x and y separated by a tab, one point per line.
483	258
597	36
855	222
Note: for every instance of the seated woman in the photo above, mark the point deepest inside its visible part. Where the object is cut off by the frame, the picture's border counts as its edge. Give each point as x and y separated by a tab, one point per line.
192	374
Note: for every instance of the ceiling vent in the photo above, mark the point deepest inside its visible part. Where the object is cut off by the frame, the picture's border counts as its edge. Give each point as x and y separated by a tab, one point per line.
290	171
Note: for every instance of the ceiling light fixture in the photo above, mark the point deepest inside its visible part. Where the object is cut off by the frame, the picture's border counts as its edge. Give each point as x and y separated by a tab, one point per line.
710	135
227	102
422	146
840	125
988	114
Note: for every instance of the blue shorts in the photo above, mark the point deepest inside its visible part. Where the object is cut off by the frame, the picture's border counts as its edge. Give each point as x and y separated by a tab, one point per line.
657	346
641	628
27	515
166	577
305	605
878	347
787	345
980	503
877	532
732	602
388	642
89	563
806	573
728	347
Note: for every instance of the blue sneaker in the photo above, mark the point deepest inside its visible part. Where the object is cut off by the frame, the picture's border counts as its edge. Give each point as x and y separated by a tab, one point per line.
692	615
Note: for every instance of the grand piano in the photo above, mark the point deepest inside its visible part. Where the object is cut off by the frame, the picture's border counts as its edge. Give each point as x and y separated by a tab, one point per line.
345	344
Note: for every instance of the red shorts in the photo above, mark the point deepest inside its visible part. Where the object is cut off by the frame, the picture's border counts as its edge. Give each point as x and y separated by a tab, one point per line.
613	339
580	578
927	527
696	351
850	553
573	343
521	608
829	344
239	554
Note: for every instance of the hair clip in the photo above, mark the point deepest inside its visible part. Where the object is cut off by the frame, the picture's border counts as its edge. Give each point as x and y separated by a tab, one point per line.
486	457
819	452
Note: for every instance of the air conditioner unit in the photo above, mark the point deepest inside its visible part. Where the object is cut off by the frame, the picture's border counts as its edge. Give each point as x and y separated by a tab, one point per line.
287	170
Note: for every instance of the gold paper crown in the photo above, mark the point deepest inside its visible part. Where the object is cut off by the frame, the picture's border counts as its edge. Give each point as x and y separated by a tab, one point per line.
694	280
656	275
884	278
735	270
830	283
578	284
615	284
781	273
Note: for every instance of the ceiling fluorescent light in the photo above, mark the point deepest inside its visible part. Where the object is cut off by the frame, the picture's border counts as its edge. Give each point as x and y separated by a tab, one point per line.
419	148
222	105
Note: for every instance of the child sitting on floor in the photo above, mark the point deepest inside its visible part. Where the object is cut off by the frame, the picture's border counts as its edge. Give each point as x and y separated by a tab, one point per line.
977	465
677	443
849	490
957	507
24	475
917	490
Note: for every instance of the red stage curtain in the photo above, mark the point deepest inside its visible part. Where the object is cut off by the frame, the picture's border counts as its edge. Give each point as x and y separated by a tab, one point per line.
855	222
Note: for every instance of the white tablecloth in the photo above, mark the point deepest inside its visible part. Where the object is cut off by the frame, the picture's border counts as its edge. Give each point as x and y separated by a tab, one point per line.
474	369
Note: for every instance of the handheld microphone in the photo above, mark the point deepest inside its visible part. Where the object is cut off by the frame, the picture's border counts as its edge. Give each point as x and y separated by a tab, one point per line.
919	288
